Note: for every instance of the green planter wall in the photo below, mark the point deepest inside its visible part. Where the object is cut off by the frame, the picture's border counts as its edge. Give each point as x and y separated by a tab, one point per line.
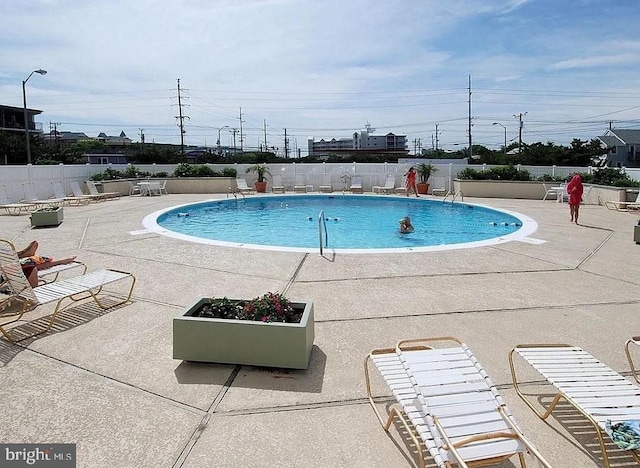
43	217
273	344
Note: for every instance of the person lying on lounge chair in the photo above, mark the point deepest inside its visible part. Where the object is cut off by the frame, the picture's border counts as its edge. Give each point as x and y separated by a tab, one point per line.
31	262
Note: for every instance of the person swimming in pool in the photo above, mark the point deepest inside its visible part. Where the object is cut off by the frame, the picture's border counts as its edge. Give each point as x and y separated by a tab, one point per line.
405	225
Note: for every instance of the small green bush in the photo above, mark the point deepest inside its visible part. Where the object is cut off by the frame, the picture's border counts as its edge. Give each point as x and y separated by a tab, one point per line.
495	173
229	172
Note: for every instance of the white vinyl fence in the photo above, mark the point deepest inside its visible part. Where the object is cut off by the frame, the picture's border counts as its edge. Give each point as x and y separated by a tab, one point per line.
372	174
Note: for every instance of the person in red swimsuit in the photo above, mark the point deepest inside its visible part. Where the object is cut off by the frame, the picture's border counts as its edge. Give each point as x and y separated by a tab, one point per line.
574	190
411	181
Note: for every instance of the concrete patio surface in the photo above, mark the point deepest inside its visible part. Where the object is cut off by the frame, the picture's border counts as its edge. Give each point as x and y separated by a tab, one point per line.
106	380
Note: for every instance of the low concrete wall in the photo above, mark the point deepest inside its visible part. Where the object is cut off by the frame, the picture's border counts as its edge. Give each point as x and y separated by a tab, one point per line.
178	185
534	190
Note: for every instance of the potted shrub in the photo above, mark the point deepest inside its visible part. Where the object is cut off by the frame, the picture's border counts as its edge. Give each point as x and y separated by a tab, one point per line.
261	171
269	331
424	172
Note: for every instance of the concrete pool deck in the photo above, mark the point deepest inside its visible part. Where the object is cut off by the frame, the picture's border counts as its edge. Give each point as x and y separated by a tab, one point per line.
107	380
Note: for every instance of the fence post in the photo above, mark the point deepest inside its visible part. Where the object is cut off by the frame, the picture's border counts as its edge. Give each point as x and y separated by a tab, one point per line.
553	170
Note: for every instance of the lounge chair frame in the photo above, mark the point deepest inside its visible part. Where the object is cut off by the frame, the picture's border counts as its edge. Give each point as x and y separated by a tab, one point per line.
412	405
13	208
64	293
589	372
242	187
389	186
633	341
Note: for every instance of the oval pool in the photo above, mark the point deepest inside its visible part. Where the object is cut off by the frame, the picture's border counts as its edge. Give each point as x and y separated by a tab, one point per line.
354	223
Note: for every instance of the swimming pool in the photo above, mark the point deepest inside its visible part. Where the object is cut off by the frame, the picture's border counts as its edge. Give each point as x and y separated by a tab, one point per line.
354	223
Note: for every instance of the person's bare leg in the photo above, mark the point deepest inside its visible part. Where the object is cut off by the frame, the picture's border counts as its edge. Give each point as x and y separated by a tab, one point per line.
29	250
577	210
62	261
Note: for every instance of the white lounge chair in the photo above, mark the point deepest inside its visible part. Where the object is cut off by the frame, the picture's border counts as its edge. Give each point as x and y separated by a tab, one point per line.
13	208
276	184
454	408
356	185
300	185
326	186
623	205
388	187
93	190
439	186
242	186
596	391
26	298
58	192
30	196
77	192
633	341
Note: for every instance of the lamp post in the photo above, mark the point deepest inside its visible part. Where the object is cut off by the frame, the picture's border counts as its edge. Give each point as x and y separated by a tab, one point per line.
39	71
505	135
219	130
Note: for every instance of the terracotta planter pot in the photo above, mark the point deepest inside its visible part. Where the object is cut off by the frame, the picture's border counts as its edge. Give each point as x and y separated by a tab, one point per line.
422	188
261	187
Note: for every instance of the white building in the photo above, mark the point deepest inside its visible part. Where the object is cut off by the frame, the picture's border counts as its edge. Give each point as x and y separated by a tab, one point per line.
364	140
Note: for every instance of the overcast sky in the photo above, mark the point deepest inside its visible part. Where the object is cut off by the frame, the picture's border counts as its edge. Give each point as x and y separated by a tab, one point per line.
326	68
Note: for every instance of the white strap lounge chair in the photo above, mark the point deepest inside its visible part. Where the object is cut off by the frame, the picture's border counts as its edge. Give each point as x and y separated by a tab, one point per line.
596	391
623	205
58	192
276	184
93	190
13	208
22	298
300	185
454	408
356	185
243	187
326	186
77	192
439	186
30	196
388	187
635	343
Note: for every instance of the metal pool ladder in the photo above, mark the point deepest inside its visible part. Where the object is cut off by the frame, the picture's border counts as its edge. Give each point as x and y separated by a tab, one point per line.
459	192
322	223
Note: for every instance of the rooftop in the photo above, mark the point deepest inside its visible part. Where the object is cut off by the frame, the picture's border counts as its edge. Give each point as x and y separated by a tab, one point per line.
107	381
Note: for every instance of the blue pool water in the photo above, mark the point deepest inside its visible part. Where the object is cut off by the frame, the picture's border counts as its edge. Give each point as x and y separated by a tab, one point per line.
352	222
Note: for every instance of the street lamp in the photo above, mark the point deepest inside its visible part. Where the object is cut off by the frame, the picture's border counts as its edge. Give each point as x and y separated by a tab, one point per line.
39	71
505	135
219	130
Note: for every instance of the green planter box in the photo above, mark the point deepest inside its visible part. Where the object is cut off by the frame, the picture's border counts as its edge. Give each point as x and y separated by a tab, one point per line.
274	344
45	217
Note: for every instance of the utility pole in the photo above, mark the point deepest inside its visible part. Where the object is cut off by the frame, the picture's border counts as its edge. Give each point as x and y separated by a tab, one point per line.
437	137
519	117
265	135
181	118
470	142
234	131
241	137
286	145
141	135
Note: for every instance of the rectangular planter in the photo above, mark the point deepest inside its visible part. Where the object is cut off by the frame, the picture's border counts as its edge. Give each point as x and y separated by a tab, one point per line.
43	217
274	344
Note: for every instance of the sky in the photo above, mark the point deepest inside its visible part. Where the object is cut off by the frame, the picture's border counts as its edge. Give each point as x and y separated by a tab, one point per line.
325	69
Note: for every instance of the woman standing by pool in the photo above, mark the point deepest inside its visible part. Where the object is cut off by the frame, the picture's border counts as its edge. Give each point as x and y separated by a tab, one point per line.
574	190
411	181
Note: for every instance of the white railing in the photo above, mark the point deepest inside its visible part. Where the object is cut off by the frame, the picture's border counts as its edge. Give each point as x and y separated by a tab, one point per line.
321	223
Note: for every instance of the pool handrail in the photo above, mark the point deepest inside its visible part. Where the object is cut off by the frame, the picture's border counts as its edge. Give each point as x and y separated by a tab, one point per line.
321	223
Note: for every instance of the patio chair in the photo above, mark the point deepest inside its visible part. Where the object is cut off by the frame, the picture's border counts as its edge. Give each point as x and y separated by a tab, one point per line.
623	205
439	186
13	208
388	187
454	408
326	186
26	298
93	190
243	187
276	184
356	185
300	185
596	391
134	189
554	191
633	341
30	196
58	192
